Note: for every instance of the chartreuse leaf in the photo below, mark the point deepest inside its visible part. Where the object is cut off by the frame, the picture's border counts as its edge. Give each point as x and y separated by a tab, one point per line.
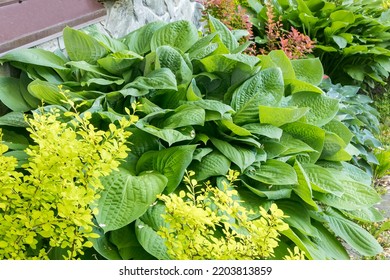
46	92
280	58
322	109
146	228
82	47
126	197
242	157
264	88
279	116
333	148
340	130
228	62
357	237
180	34
11	95
310	134
266	130
226	35
309	70
171	162
274	172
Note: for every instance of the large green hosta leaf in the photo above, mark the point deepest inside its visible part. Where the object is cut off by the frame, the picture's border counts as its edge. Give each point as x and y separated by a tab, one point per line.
322	109
180	34
171	162
146	228
212	164
126	197
82	47
242	157
274	172
279	116
264	88
353	234
226	35
11	95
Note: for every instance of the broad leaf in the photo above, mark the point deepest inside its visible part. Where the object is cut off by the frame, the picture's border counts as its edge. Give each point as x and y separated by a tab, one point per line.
353	234
242	157
82	47
274	172
180	34
308	70
126	197
264	88
322	109
185	115
226	35
11	95
279	116
212	164
171	162
303	188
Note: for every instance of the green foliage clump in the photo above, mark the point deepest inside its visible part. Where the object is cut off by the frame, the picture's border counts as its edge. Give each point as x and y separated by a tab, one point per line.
49	204
206	106
195	217
352	37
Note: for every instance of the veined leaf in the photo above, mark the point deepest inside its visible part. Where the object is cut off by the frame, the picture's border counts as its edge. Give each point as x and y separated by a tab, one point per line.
297	216
274	172
11	95
126	197
168	57
353	234
47	92
119	62
280	58
322	180
303	188
15	119
180	34
226	35
212	106
83	65
308	70
269	192
242	157
185	115
266	130
127	243
82	47
212	164
162	78
146	229
139	40
171	162
264	88
226	63
310	134
322	109
235	129
36	56
279	116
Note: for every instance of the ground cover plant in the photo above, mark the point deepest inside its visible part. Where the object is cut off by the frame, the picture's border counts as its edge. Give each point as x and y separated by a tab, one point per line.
203	106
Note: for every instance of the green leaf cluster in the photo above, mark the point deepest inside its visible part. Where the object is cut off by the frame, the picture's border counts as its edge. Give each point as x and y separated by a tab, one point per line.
352	37
205	106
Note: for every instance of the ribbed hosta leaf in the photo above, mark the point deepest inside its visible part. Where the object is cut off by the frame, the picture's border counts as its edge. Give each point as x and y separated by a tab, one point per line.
126	197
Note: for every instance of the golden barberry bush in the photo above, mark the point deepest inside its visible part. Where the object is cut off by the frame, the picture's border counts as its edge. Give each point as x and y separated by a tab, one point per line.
50	202
206	222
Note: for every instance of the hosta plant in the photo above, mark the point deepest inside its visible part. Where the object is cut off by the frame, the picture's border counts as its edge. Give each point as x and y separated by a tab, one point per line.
205	106
352	37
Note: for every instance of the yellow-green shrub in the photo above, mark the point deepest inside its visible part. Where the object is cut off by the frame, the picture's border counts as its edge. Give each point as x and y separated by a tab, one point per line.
50	202
211	224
